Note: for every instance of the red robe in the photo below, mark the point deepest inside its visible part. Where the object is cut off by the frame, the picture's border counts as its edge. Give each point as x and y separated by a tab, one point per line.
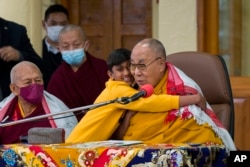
11	134
80	88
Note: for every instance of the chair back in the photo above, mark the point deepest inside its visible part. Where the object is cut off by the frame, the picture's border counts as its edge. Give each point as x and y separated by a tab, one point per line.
210	73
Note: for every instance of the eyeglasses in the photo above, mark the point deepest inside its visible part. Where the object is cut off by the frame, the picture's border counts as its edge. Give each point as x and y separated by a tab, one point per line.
142	67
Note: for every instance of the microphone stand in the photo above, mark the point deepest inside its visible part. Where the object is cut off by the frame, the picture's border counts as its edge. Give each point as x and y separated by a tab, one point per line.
122	100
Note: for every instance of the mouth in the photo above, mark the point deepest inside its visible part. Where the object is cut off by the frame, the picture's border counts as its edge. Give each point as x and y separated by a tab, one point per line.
128	80
140	82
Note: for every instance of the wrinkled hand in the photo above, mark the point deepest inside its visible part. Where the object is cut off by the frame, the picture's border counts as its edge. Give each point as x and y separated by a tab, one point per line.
202	102
8	53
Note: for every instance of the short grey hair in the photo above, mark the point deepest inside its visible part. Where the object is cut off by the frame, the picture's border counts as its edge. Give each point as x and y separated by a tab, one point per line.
72	27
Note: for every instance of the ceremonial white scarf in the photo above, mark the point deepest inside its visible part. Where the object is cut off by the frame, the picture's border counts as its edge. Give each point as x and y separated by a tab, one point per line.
180	84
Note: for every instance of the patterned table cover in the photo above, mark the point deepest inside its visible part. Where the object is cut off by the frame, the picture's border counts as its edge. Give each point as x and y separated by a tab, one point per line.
112	154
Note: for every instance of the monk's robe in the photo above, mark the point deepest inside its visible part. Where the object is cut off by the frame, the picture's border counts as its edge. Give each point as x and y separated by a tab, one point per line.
11	134
189	124
100	123
10	111
80	88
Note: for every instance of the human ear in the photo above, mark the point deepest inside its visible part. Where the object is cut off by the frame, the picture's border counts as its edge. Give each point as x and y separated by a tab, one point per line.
44	25
13	89
110	74
86	45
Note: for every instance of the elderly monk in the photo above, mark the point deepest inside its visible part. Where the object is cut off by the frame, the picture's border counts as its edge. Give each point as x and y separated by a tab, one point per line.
81	77
189	124
27	100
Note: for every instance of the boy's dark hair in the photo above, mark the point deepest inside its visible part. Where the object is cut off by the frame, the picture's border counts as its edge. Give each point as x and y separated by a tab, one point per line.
117	57
54	9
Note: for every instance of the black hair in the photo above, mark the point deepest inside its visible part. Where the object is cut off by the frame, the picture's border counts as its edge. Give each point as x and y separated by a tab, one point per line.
54	9
117	57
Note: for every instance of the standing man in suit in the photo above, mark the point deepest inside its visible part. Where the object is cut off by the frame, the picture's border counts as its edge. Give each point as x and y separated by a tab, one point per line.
55	17
15	46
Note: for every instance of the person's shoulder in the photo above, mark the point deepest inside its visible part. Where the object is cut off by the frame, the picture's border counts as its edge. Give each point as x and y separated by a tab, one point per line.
7	100
118	85
13	27
52	99
59	71
43	40
45	51
97	62
11	23
94	58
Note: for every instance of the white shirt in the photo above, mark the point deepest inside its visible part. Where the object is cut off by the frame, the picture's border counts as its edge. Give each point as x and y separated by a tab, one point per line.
51	48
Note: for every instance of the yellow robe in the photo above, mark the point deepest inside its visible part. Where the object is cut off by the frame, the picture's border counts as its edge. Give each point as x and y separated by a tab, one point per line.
100	123
152	128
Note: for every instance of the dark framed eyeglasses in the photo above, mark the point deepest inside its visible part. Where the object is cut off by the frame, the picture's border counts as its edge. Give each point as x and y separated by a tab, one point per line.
142	67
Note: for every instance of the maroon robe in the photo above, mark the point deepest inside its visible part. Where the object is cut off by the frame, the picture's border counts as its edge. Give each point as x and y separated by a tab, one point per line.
80	88
11	134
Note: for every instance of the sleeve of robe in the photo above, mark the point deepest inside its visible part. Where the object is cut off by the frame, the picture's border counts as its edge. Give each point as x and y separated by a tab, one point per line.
100	123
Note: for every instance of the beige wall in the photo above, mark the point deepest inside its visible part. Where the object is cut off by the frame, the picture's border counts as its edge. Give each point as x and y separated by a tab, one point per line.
176	26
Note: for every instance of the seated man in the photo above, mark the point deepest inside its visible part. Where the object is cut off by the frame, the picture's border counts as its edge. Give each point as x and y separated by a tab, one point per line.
81	77
189	124
27	100
100	123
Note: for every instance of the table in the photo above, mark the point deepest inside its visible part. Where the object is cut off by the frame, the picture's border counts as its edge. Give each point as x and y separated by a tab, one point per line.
112	154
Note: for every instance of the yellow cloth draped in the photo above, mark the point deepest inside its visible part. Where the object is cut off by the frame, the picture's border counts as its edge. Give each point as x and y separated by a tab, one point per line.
152	127
100	123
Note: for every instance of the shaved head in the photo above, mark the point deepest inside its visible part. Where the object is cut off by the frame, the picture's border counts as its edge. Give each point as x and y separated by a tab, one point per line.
23	69
155	45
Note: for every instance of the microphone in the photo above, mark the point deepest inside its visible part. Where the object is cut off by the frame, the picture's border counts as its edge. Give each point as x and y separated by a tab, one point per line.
3	123
145	91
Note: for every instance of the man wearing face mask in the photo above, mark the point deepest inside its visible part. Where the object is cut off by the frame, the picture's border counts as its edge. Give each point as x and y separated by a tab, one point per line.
28	99
81	77
55	17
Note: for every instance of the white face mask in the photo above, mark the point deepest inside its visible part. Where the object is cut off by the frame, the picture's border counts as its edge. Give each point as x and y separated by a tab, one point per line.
53	32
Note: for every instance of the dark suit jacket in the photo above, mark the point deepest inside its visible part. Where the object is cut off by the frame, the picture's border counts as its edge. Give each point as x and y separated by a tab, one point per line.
15	35
51	61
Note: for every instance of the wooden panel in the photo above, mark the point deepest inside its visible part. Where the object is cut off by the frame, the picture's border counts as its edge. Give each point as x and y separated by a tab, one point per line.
208	24
241	94
96	20
95	17
132	22
235	39
111	24
130	41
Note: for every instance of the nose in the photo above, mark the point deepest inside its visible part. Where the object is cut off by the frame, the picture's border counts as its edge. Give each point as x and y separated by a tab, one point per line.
33	81
71	47
137	71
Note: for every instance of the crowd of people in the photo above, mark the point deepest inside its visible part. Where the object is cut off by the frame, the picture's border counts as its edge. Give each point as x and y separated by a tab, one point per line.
67	76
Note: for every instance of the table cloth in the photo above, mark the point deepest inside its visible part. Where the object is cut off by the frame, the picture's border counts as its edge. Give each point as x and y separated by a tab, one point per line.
112	154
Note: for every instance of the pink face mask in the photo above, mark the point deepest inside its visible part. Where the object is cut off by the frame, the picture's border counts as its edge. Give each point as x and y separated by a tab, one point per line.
32	94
